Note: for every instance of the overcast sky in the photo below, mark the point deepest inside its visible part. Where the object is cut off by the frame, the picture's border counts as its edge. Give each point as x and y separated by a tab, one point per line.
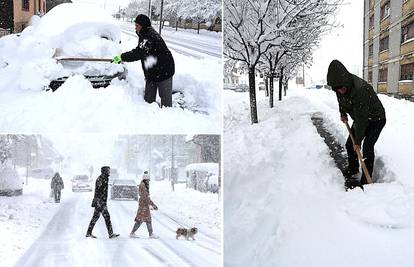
344	43
109	5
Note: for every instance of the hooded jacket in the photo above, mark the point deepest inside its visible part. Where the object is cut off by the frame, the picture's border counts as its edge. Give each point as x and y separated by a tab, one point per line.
156	60
360	102
101	191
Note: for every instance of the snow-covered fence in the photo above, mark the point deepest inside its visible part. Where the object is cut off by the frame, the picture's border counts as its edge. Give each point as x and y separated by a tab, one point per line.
203	177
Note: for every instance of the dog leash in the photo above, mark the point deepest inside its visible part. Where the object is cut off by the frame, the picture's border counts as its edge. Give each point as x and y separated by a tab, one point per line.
172	219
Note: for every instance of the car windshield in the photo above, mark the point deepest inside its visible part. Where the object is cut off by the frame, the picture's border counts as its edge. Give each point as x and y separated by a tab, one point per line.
81	178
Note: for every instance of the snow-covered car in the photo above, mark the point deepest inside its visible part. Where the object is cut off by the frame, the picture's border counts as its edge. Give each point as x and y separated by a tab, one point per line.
81	183
114	175
42	173
261	85
203	177
72	31
124	189
10	182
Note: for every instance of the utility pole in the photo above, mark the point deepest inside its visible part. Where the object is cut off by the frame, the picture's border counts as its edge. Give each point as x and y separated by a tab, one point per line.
303	74
162	5
172	173
149	9
150	155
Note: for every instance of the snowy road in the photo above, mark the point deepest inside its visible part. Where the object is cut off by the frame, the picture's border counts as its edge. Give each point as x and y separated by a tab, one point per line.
63	243
186	43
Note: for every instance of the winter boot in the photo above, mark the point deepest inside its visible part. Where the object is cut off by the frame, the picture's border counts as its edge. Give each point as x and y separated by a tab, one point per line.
351	183
133	235
90	235
113	235
351	172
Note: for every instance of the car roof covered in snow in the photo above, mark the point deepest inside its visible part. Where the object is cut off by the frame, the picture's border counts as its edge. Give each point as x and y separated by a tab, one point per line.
208	167
124	182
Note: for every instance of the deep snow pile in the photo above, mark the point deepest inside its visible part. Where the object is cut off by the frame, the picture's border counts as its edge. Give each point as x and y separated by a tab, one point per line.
24	218
27	66
284	199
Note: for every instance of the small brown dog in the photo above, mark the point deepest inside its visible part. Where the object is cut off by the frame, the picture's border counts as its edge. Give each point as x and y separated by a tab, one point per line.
187	233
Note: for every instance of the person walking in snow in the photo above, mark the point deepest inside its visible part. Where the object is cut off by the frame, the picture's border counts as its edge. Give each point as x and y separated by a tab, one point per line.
99	203
145	202
57	185
156	60
358	99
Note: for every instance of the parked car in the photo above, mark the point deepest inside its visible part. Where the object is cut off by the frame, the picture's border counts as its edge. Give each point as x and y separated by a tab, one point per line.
11	183
114	175
75	32
42	173
261	85
203	177
124	189
81	182
241	88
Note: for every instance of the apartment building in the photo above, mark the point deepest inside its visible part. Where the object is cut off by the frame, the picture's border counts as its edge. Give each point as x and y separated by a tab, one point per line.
15	14
389	46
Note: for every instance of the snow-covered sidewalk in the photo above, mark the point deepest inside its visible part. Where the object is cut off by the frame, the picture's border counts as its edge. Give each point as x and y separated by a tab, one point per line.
284	202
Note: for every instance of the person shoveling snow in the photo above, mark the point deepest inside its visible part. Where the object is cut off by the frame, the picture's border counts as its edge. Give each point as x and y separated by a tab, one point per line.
157	61
358	99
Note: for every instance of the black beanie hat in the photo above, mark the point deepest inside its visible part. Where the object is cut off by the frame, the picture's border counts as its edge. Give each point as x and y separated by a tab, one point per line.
143	20
105	169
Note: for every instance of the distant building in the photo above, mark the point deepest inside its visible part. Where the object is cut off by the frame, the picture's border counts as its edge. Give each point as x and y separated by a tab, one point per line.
389	45
15	14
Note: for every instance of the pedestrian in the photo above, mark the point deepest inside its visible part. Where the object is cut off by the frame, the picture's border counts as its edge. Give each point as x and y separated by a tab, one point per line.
99	203
357	99
156	60
145	202
57	185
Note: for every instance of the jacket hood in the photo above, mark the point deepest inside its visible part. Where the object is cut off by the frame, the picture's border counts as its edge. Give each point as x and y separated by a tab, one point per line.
338	75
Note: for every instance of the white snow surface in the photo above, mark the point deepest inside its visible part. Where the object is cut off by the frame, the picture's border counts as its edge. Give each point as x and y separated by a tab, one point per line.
284	202
54	234
27	66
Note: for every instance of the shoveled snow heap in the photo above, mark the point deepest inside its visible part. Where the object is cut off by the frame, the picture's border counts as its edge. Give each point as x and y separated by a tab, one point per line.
284	199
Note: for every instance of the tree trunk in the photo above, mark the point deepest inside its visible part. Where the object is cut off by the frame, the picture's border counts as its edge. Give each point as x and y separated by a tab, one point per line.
267	86
252	93
285	87
280	84
271	91
198	27
176	25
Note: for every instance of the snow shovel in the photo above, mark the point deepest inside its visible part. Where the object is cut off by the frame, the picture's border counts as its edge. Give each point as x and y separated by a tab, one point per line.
83	59
361	160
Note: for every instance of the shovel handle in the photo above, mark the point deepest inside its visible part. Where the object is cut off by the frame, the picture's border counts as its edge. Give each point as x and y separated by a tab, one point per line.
84	59
358	152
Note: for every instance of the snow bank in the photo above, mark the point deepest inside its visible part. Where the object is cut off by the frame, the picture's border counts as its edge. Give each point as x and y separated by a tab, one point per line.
283	191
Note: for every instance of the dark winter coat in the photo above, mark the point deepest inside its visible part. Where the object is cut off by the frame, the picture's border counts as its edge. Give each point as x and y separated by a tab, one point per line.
150	44
360	102
143	213
101	192
57	182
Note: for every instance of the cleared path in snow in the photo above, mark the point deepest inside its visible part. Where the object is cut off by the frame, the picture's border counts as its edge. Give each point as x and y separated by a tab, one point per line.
64	244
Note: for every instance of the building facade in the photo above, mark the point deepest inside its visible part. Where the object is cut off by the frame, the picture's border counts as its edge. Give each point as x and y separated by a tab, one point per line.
16	14
389	46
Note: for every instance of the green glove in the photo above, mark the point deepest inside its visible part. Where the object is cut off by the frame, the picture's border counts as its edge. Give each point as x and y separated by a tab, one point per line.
117	60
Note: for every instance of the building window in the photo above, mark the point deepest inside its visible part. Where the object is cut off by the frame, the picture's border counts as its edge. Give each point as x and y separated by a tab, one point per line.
371	50
371	21
383	44
406	72
26	5
385	10
382	75
370	76
407	32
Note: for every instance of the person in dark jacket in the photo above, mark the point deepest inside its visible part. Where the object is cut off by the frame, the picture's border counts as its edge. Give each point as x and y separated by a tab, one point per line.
57	185
156	60
99	203
145	202
357	99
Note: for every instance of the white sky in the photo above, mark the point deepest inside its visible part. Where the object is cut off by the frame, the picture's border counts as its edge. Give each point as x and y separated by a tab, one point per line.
343	43
109	5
